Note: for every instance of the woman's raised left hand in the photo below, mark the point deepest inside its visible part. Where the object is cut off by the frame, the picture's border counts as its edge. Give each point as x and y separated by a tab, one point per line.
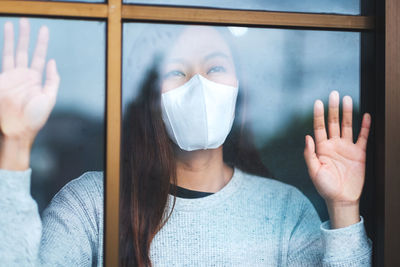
336	164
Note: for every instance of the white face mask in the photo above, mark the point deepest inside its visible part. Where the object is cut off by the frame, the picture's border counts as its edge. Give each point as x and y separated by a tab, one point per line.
199	114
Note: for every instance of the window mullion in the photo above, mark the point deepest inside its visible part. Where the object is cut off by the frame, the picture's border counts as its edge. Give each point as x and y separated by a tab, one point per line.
113	133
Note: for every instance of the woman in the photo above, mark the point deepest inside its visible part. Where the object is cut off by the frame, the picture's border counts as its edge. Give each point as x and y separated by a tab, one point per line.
174	146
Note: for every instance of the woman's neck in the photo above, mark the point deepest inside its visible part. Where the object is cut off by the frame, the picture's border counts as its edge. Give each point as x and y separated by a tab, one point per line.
202	170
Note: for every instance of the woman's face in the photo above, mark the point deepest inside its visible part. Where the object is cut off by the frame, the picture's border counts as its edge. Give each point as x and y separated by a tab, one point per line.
198	50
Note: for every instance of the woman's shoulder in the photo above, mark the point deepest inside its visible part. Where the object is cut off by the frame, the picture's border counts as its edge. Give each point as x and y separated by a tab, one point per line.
270	188
86	191
93	181
265	184
274	199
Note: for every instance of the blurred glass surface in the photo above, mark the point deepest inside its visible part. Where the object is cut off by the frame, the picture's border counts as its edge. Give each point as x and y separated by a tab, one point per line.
72	141
283	72
351	7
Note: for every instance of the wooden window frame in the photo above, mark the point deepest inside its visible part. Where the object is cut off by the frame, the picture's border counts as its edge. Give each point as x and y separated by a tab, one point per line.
380	94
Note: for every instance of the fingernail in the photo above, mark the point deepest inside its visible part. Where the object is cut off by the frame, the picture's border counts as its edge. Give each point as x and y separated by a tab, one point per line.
23	20
44	30
334	98
347	98
318	103
8	25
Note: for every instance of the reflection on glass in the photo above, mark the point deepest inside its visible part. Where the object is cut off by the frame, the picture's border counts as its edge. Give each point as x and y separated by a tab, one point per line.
314	6
72	141
175	81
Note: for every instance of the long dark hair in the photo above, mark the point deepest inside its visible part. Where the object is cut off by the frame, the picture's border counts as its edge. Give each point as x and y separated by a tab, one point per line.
149	170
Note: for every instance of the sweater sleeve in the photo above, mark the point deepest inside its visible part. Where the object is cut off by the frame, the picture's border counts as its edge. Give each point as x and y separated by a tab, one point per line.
68	236
71	227
313	243
20	224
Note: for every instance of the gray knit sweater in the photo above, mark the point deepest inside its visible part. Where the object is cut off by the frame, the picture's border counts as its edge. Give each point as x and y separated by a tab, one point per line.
252	221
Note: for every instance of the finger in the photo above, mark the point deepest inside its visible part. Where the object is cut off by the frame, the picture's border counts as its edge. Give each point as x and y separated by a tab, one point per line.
39	56
23	44
311	158
52	81
363	136
347	121
319	122
8	48
333	115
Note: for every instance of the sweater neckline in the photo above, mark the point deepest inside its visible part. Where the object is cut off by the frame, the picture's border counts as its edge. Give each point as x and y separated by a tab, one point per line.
195	204
183	192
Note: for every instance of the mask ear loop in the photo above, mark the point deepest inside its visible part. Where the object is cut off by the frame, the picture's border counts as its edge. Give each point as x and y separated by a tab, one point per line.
233	105
244	110
234	100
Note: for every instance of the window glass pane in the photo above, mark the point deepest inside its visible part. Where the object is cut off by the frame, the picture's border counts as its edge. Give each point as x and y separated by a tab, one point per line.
72	141
314	6
280	74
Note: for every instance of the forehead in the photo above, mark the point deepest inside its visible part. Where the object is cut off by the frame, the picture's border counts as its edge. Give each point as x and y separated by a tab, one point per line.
198	41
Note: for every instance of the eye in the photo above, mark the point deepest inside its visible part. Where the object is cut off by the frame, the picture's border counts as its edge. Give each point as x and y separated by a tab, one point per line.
174	73
216	69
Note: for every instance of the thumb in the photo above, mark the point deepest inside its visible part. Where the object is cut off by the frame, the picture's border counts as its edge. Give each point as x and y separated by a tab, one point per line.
310	157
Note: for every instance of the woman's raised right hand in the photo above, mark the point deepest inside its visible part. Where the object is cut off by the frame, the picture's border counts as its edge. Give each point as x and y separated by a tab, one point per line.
25	104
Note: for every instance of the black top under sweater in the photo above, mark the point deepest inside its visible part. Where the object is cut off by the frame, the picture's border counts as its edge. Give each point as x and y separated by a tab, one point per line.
187	193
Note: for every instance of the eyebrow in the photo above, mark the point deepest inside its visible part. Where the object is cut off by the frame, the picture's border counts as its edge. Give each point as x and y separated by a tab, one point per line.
216	54
207	57
175	60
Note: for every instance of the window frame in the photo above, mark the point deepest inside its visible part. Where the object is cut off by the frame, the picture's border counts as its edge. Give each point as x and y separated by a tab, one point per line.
380	38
